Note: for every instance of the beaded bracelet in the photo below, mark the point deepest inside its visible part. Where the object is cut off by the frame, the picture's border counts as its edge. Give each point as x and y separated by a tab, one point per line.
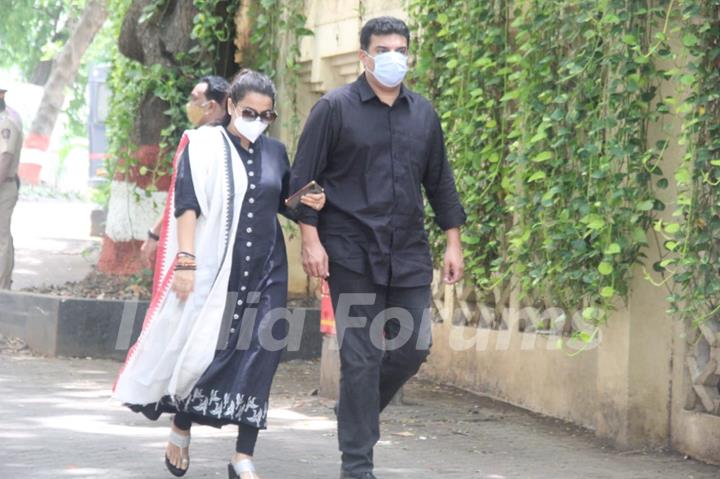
185	262
183	267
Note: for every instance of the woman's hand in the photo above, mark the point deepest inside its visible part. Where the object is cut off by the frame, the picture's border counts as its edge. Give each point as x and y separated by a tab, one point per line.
183	284
315	201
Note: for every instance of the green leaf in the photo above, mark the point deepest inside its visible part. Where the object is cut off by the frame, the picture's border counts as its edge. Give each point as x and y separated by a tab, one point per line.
589	314
687	79
672	228
690	40
539	136
682	176
593	221
607	292
538	175
605	269
544	156
511	95
613	249
630	39
646	205
584	336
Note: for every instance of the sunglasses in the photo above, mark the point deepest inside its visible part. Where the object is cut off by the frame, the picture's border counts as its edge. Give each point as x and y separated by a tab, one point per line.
250	114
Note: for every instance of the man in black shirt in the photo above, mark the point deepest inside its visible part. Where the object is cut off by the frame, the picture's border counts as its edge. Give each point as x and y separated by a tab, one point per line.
374	145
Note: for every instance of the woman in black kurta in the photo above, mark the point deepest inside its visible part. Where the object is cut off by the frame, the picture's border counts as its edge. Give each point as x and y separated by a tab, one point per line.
235	388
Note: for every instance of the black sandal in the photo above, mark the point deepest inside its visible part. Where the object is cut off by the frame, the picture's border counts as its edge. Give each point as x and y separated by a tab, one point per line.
182	442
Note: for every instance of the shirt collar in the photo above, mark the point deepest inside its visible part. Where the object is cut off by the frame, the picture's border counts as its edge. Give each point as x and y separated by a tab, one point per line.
367	93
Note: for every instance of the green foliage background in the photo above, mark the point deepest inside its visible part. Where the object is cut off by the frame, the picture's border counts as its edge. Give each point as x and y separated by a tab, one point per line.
693	264
131	82
553	122
547	108
33	32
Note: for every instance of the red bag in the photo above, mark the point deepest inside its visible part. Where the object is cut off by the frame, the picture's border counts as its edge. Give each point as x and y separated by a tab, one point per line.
327	316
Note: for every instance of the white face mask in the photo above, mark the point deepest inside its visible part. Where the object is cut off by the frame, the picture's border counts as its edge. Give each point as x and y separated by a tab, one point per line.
252	129
390	68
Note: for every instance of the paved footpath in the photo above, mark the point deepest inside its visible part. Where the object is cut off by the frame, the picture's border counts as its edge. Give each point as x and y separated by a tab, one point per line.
56	421
52	235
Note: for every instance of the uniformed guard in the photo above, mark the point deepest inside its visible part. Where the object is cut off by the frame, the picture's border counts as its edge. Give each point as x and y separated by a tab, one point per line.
11	140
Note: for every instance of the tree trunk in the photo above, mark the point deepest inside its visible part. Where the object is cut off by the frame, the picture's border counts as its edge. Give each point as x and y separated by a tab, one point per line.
64	70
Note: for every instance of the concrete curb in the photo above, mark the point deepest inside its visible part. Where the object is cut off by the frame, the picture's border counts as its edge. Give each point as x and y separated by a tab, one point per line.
77	327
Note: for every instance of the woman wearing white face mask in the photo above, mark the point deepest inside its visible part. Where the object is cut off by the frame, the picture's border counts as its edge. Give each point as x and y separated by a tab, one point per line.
201	354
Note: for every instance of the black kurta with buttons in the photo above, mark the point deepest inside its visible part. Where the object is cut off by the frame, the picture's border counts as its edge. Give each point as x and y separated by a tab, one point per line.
373	161
235	388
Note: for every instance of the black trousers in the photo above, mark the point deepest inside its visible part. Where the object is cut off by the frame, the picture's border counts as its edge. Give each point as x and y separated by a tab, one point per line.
384	335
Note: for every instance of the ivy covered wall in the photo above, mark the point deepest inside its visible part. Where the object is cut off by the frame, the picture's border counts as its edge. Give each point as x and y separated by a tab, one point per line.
547	107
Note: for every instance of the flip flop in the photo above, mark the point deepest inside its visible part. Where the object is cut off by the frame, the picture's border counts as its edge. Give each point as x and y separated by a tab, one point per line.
182	442
235	470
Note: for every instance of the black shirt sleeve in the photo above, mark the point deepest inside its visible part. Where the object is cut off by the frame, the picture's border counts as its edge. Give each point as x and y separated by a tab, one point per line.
439	183
282	208
314	146
185	198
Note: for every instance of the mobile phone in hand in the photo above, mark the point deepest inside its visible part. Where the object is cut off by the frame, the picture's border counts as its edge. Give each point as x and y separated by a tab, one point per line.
311	188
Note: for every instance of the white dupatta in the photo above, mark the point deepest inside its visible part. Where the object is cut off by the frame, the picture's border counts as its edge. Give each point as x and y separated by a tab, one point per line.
179	339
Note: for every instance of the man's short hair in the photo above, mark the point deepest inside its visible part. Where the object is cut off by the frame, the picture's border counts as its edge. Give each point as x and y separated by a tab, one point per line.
218	88
383	26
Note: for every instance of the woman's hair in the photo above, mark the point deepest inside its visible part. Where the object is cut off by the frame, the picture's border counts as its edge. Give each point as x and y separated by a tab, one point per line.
217	88
250	81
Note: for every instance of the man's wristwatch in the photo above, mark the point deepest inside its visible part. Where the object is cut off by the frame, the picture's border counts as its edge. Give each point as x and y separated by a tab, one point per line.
153	236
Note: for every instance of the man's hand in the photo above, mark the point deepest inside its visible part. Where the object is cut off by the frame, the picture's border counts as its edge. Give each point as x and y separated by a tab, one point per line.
149	247
315	259
315	201
454	268
147	252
